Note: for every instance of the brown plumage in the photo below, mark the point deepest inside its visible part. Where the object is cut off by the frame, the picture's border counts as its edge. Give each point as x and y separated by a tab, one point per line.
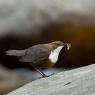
41	55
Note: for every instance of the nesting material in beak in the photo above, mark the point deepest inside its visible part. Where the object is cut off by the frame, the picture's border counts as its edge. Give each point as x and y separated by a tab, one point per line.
68	46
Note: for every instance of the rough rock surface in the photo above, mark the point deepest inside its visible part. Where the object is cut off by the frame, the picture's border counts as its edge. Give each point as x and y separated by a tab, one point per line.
10	80
80	81
19	16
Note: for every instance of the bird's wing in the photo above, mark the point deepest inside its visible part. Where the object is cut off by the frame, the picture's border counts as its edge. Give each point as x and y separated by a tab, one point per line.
36	54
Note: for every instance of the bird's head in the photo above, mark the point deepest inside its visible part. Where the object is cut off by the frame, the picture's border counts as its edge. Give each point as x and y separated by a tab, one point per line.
57	44
55	48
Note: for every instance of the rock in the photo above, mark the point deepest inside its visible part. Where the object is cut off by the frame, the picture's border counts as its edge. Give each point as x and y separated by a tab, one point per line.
21	17
9	80
80	81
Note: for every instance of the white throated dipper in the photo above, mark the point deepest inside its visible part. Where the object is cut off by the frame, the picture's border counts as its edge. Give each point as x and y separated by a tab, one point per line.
41	55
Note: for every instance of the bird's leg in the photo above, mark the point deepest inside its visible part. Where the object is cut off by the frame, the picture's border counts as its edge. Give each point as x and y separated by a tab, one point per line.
38	70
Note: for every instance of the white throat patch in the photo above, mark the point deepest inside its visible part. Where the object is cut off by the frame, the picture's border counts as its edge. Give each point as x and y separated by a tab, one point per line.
53	57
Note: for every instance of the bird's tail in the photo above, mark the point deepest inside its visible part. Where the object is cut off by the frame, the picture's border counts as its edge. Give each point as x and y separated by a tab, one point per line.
15	52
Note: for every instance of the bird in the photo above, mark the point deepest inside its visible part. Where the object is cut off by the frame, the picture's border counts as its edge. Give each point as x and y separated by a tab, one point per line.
41	55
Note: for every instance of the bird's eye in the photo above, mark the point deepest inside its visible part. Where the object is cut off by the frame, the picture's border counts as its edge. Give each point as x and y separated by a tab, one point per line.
58	44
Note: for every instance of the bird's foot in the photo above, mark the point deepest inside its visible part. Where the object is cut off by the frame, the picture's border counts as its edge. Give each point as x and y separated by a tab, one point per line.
44	75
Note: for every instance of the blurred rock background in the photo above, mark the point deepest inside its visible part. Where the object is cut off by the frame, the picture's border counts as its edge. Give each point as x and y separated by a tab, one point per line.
24	23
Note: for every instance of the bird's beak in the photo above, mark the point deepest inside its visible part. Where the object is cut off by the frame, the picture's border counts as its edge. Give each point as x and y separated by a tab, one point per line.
68	45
